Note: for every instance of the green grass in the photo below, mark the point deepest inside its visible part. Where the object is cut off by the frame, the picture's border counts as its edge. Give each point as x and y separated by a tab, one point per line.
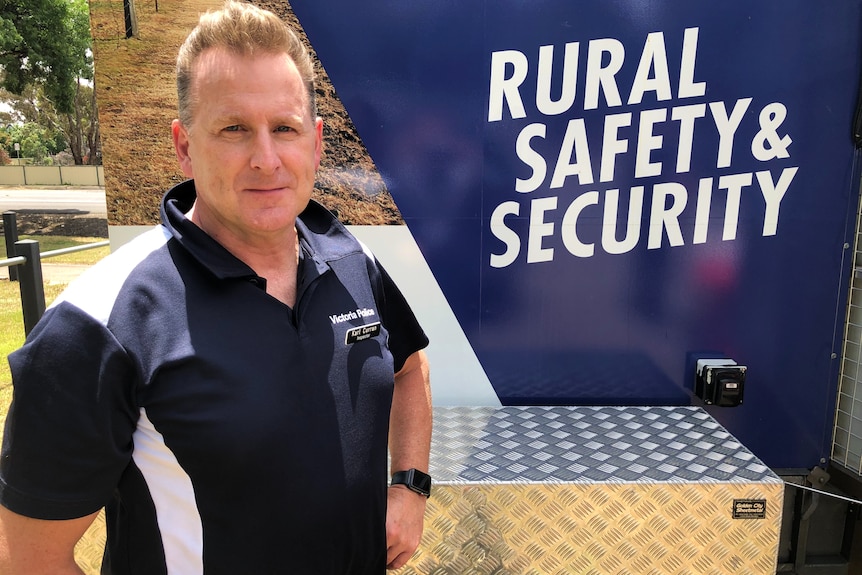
11	336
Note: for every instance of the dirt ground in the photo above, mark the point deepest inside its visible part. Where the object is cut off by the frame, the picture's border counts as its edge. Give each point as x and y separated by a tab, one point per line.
135	92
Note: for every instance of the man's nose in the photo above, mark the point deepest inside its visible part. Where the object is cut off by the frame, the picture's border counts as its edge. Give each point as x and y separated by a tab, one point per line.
264	154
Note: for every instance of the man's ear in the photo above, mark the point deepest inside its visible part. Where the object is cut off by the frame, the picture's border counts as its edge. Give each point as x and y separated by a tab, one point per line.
181	146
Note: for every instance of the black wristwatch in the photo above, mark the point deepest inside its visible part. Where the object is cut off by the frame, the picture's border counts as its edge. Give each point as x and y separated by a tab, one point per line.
414	480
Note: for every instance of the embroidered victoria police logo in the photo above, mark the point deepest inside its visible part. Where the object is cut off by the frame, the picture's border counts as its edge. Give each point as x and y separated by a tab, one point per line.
363	312
361	332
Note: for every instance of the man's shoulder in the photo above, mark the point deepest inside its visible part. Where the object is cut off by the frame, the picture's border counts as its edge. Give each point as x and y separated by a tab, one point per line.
96	290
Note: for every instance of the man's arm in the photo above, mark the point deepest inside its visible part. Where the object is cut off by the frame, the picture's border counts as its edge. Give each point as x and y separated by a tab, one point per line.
39	547
409	448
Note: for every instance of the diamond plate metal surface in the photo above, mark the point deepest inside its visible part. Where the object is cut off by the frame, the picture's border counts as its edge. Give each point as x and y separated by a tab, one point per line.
575	444
594	490
585	491
91	547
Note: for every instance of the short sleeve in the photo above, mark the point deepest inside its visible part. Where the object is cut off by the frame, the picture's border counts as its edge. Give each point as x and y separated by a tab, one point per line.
406	336
68	434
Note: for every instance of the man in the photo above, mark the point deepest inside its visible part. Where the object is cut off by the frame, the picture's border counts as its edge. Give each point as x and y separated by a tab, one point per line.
225	384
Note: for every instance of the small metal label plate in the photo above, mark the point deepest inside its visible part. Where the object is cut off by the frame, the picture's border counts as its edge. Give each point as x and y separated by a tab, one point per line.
749	508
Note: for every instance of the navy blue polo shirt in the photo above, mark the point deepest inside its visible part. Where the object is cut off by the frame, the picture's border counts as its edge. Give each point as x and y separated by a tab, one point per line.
224	431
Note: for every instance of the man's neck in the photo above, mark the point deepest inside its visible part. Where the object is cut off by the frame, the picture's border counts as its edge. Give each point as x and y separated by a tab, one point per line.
273	256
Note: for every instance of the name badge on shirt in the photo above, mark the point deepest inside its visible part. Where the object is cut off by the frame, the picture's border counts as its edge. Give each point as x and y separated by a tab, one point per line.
362	332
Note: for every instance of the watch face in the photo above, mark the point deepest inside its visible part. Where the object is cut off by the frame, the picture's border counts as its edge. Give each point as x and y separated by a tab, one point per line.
422	481
414	480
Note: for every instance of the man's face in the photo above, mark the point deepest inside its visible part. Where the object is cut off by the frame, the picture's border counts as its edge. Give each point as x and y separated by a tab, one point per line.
253	148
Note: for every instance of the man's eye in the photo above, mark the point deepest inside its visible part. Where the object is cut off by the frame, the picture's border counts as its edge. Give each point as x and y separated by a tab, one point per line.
232	129
284	129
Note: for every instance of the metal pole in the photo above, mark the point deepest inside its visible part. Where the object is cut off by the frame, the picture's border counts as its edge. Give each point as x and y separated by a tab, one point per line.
131	18
30	281
10	232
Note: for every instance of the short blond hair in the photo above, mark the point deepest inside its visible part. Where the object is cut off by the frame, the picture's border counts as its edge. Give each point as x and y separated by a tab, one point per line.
242	29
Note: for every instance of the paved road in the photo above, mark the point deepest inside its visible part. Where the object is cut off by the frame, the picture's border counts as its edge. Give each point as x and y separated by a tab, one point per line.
61	199
54	273
54	200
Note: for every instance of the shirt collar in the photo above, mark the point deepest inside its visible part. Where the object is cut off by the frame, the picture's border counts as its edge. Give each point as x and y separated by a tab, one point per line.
322	237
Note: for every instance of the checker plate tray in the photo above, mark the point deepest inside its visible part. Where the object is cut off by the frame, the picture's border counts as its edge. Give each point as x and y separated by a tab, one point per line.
595	490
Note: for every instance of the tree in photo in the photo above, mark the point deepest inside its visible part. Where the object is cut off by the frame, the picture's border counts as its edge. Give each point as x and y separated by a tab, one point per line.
47	71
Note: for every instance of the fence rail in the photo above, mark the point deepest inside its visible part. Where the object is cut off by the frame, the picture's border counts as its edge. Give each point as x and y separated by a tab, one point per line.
9	262
73	249
26	262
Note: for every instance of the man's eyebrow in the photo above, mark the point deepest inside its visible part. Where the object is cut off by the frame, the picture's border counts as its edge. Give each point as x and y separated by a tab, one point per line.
228	118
